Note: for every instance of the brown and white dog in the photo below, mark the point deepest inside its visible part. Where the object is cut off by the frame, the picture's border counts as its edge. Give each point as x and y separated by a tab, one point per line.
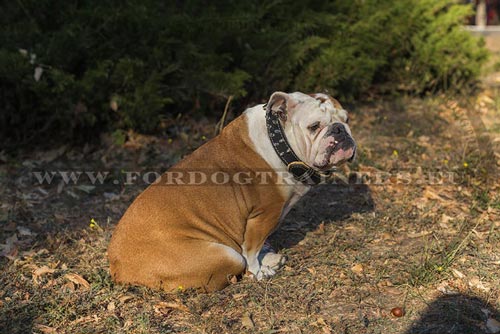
187	235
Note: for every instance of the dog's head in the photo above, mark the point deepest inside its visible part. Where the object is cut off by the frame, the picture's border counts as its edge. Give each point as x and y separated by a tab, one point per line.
316	126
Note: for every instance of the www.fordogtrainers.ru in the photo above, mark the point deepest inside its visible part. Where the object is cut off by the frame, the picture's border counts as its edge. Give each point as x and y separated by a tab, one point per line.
229	177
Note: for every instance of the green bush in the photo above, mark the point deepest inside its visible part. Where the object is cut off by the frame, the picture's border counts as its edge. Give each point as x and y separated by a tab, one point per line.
119	65
414	45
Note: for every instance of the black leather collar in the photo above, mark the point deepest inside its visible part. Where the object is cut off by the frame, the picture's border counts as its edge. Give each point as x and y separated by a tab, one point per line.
300	170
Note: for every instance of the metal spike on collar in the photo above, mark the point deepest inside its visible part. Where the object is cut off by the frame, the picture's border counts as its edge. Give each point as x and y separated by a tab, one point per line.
299	169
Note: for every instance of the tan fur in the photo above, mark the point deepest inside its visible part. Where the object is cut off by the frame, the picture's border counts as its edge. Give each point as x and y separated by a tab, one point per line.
178	235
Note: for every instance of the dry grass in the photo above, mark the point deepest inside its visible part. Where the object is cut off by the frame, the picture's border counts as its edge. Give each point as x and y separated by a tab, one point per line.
354	251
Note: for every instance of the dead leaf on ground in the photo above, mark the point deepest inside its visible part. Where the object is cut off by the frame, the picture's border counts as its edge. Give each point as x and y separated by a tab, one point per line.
357	268
493	325
25	231
45	329
324	326
125	299
320	229
42	271
111	306
239	296
49	156
246	321
476	283
457	273
10	249
312	271
165	307
88	318
77	279
445	219
68	286
430	194
446	289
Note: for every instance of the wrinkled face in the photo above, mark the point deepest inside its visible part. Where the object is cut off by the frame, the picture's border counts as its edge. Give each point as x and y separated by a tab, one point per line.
317	128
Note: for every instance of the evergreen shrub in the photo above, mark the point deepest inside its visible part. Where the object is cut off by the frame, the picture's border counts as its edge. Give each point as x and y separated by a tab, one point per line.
71	69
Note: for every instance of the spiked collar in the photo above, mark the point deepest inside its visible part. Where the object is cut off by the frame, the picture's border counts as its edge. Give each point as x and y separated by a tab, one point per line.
300	170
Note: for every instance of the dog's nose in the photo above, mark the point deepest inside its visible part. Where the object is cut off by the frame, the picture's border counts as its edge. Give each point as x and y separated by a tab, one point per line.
337	128
338	131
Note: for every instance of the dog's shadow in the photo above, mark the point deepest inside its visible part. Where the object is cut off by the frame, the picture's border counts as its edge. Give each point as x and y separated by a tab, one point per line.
326	203
457	314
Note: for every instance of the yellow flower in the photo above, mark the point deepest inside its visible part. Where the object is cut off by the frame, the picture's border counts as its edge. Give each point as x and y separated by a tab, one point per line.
439	268
93	223
445	161
466	165
395	153
203	138
180	288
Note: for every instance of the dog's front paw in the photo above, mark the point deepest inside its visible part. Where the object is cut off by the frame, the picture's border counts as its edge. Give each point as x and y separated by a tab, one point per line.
273	260
270	264
265	272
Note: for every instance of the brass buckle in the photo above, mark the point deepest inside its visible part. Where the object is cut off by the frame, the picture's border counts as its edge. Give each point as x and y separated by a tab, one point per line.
300	170
305	173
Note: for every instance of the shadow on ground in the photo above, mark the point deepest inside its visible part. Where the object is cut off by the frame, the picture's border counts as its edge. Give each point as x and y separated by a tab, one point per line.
328	203
457	314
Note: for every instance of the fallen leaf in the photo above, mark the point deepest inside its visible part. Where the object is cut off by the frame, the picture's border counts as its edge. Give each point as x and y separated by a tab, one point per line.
320	229
111	196
357	268
38	73
432	195
125	299
60	187
111	306
25	231
324	326
419	234
68	287
457	273
392	291
446	289
163	307
49	156
493	325
9	249
42	271
475	282
59	217
72	194
77	279
85	188
45	329
386	236
312	271
85	319
239	296
446	219
246	321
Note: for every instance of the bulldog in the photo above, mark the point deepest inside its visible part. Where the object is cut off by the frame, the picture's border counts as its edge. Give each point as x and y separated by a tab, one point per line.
200	235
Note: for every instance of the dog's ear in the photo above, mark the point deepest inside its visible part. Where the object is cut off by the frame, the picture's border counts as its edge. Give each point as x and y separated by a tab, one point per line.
325	97
280	103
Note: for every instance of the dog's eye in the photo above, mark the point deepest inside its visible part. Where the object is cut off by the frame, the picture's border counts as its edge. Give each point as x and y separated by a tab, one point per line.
313	127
